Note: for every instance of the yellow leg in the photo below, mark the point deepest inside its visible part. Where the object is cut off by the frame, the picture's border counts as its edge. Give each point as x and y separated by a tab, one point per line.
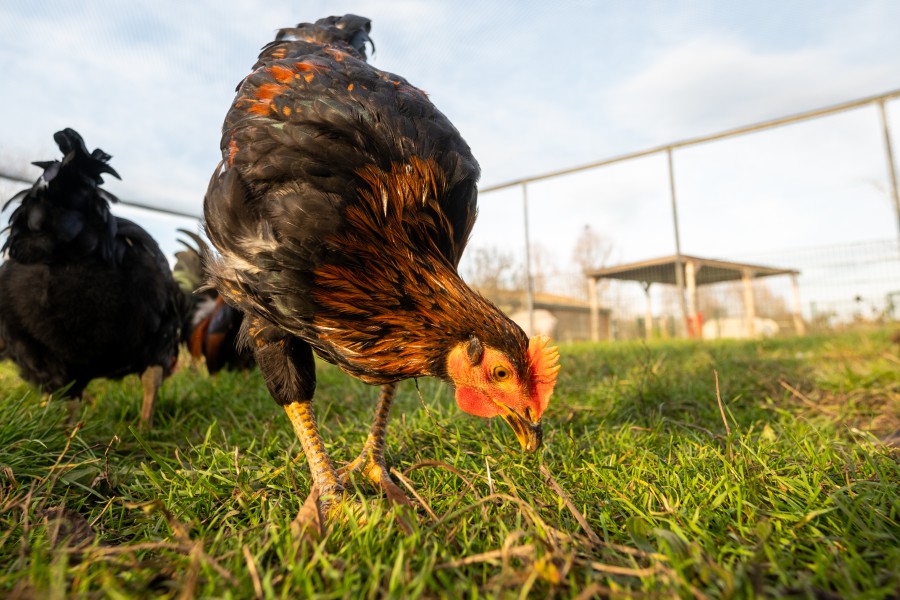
324	476
371	461
151	380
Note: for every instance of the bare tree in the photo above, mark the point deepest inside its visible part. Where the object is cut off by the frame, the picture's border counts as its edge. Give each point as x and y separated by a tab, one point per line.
544	268
592	250
490	269
711	302
767	303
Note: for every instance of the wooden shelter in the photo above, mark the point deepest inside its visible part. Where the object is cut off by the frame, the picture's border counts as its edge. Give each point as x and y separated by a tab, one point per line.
693	271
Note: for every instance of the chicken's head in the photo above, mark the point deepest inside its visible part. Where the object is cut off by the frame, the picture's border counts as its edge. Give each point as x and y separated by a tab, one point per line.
489	384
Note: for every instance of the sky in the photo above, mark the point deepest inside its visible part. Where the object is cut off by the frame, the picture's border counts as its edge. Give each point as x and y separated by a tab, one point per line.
532	86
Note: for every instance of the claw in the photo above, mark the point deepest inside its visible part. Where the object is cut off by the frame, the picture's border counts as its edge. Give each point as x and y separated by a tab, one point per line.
377	474
308	525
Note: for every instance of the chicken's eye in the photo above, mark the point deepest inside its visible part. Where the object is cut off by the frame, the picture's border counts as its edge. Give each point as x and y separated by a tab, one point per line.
500	373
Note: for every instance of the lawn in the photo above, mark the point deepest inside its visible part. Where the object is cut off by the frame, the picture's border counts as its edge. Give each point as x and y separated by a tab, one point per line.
645	486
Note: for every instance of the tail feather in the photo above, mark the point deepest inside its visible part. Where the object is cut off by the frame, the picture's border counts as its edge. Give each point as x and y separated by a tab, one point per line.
349	32
211	328
189	269
92	164
65	215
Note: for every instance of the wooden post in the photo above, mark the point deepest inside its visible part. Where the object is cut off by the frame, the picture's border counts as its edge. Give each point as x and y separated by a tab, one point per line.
690	276
749	303
595	309
799	325
648	311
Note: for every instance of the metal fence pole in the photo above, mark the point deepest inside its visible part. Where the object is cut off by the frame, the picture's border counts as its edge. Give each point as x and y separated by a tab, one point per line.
892	170
529	281
812	114
130	203
679	262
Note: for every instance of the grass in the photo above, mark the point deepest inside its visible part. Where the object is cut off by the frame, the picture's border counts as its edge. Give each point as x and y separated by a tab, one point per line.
641	490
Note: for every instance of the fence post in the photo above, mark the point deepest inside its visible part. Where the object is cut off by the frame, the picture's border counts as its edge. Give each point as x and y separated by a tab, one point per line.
749	303
693	306
679	262
799	326
648	311
529	281
892	169
595	309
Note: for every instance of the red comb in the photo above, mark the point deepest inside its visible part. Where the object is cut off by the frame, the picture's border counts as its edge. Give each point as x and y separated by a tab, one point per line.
543	365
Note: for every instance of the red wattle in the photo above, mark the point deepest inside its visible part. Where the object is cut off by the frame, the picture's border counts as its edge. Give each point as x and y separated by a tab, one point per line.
475	403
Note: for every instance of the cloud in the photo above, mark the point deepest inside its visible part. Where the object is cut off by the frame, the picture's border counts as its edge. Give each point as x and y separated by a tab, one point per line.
531	87
711	83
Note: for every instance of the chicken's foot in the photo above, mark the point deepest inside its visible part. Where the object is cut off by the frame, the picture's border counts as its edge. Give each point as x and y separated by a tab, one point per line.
371	461
151	380
326	491
324	476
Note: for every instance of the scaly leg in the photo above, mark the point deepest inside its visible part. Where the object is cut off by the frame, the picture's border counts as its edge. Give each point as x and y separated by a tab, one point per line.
371	461
324	476
326	490
289	368
151	380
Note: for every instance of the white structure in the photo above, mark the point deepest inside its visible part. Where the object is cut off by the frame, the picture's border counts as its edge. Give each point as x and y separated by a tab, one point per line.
544	322
736	328
691	272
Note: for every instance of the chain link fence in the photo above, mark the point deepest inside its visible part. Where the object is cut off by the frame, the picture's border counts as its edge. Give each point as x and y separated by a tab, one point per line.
815	181
612	212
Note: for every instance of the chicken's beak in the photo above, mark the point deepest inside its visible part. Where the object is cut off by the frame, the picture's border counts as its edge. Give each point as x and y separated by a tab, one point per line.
529	434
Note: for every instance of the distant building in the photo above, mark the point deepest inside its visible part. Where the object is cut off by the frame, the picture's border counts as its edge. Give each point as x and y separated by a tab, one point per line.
568	318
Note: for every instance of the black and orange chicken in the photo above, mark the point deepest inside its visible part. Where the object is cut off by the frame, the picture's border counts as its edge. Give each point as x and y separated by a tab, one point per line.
210	330
340	210
85	294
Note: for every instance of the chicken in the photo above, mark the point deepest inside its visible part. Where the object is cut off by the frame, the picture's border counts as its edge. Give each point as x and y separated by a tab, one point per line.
85	294
340	211
211	328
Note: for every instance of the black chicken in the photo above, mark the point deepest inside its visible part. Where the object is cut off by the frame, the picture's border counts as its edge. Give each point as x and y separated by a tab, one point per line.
85	294
211	328
340	210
